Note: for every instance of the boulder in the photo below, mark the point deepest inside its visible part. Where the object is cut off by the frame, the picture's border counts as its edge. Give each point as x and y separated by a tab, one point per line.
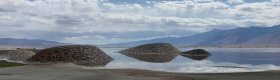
77	54
196	54
18	55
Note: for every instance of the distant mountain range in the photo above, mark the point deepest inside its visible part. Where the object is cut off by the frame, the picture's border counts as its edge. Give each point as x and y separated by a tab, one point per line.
237	36
28	42
269	39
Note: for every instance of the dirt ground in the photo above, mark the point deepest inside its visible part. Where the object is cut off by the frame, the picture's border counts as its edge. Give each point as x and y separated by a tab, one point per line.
74	72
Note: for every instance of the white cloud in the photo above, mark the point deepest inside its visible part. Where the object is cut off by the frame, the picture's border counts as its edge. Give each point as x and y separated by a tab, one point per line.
235	1
275	1
76	38
203	0
76	18
190	8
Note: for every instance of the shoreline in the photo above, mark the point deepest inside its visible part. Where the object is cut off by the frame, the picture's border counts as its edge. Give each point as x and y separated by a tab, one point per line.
200	46
71	72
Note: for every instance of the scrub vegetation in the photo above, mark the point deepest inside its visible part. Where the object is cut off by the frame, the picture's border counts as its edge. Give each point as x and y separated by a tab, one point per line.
9	64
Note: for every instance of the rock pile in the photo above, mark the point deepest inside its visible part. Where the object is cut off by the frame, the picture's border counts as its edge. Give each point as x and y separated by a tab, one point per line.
18	55
77	54
152	57
153	48
196	54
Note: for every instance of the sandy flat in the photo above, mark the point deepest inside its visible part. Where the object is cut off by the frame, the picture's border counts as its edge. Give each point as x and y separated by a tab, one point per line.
72	72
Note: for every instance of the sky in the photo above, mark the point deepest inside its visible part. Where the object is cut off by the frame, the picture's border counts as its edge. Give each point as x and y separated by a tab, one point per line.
113	21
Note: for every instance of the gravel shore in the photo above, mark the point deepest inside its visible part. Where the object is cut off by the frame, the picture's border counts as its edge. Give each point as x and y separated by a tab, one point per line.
72	72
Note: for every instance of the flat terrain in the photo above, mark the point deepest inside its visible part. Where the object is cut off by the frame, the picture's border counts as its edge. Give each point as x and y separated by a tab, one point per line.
74	72
30	48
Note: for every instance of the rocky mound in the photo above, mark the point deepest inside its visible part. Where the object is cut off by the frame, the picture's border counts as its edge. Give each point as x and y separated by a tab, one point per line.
153	48
152	57
196	54
77	54
18	55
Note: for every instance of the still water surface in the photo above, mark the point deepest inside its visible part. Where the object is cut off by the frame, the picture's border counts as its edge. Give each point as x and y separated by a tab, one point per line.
221	60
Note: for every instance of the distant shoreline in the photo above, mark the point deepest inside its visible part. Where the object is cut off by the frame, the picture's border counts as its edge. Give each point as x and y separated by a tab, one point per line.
24	47
201	46
228	46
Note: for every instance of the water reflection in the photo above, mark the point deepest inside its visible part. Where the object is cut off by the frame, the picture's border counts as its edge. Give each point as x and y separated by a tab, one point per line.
220	60
196	54
92	63
152	57
253	56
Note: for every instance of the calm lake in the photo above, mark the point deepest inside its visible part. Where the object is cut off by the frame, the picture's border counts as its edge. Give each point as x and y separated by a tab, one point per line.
221	60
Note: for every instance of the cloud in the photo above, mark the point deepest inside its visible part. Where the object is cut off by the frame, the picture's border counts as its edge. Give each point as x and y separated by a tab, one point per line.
68	22
129	19
6	10
275	1
235	1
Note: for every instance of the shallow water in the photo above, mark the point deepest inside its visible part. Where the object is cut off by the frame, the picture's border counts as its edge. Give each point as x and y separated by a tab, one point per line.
221	60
